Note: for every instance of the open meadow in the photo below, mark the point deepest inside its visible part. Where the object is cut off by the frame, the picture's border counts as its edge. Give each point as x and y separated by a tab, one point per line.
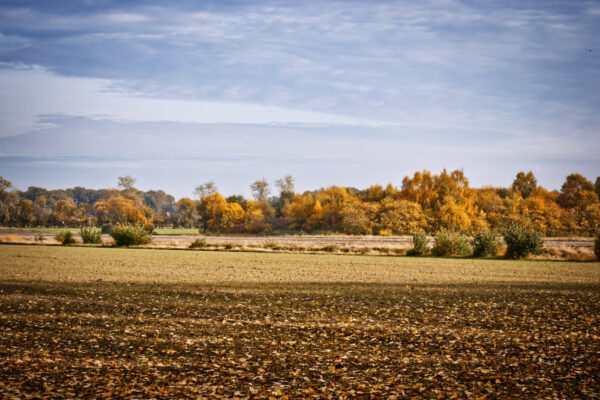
90	322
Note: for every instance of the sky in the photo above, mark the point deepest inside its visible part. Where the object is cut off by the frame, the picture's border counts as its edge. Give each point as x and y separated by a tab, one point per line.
347	93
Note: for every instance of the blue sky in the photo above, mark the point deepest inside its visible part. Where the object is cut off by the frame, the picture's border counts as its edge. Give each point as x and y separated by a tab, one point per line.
348	93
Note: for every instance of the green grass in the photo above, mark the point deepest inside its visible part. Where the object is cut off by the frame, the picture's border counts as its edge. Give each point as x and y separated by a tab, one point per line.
136	323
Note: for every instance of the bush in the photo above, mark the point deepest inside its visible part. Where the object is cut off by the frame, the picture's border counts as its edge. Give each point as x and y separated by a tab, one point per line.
130	235
448	243
39	237
597	245
228	246
419	245
485	243
331	248
91	235
65	237
106	228
198	244
521	241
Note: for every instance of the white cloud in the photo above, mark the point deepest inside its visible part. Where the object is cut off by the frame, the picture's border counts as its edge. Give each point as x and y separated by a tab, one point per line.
29	94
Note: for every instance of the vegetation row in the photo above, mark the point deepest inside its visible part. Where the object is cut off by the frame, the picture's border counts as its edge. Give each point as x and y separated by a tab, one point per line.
424	203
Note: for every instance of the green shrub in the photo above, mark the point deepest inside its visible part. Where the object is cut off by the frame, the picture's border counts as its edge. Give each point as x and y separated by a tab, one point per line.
91	235
597	245
419	245
130	235
448	243
485	243
198	244
521	241
65	237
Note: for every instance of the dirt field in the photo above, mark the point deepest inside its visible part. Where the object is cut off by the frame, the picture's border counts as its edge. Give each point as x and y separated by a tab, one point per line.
138	323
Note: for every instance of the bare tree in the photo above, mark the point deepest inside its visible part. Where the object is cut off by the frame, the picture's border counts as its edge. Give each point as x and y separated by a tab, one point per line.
205	190
260	190
285	184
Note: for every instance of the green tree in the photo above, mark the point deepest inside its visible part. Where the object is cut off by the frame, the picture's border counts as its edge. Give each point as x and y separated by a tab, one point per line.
525	183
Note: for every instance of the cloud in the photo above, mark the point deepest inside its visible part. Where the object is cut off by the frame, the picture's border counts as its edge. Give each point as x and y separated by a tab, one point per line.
31	93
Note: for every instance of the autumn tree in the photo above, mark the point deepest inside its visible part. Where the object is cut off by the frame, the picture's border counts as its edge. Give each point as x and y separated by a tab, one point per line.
420	189
64	212
286	194
186	213
8	202
402	217
304	212
525	183
122	209
255	219
577	192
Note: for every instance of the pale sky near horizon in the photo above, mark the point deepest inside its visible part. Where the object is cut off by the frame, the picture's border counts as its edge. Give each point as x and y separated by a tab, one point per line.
348	93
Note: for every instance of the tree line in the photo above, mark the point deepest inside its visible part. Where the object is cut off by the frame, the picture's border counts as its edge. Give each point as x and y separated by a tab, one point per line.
424	203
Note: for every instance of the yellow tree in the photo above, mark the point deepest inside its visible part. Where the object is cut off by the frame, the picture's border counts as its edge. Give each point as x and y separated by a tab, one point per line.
453	216
119	209
233	215
186	213
64	212
254	218
402	216
420	189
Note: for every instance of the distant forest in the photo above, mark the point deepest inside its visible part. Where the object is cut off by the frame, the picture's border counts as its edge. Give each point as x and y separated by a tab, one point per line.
425	202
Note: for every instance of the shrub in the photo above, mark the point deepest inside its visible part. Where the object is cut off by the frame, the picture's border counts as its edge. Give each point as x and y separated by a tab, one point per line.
485	243
198	244
39	237
597	245
130	235
106	228
521	241
419	245
91	235
228	246
331	248
65	237
448	243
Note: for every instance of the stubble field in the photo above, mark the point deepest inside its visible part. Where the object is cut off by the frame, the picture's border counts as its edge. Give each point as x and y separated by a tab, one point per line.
138	323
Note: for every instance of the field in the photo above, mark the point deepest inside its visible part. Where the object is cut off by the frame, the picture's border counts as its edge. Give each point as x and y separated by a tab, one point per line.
85	322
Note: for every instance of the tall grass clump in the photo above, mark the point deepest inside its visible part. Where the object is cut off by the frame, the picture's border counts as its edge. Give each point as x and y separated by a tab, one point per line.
198	244
448	243
485	243
522	241
130	235
91	235
65	237
419	245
